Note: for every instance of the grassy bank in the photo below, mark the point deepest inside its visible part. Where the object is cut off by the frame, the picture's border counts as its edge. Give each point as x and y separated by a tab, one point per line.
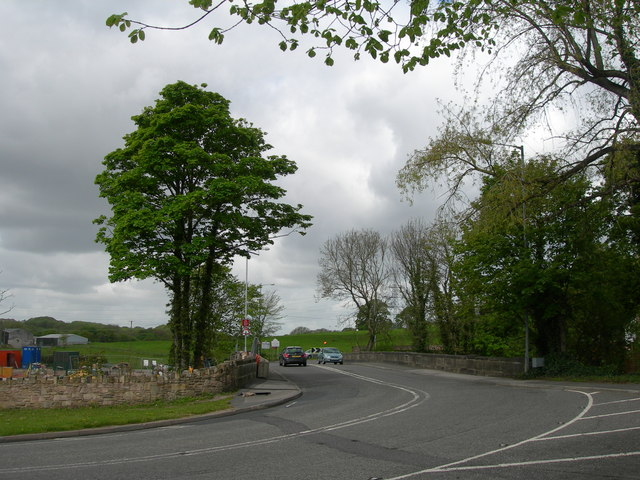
18	422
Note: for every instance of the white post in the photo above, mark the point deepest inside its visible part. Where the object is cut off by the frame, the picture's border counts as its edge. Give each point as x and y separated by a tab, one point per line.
246	297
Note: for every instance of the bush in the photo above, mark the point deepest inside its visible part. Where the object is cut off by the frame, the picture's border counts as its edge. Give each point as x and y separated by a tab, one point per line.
563	365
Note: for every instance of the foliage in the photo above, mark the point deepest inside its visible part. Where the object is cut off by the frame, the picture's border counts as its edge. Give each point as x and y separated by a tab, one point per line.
300	331
95	332
343	341
562	47
191	189
563	365
557	263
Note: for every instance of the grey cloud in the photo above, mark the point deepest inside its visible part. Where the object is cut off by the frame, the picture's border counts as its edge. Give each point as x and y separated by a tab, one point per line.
67	95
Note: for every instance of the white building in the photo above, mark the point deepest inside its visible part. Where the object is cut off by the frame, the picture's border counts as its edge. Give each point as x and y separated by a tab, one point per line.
61	339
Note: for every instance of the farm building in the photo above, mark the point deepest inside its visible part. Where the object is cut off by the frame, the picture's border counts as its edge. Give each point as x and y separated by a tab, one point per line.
61	339
16	337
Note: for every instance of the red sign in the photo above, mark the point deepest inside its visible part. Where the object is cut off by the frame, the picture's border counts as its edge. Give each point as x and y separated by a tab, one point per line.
245	322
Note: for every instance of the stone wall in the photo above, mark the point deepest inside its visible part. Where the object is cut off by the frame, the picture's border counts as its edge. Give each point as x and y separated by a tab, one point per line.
53	392
469	364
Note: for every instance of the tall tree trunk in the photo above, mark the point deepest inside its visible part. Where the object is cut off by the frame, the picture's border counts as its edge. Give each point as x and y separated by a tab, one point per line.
201	320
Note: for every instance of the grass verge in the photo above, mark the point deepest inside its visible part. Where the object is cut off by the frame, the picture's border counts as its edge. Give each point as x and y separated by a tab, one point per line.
617	379
22	421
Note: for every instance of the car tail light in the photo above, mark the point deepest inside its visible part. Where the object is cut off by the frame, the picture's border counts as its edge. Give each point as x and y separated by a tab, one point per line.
285	355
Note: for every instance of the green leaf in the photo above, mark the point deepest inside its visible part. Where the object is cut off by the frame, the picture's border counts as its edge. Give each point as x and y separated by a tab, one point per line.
216	36
115	19
384	35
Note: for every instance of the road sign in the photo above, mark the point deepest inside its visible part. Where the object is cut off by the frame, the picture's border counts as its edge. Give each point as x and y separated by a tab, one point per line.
245	331
245	322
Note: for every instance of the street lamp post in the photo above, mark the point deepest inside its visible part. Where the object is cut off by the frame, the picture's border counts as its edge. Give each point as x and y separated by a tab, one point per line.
520	148
526	246
246	298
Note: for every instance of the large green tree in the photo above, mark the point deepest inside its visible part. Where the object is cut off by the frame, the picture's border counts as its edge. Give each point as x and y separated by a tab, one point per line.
191	189
562	262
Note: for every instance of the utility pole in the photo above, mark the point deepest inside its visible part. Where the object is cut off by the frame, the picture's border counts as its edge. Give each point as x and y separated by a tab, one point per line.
526	246
520	148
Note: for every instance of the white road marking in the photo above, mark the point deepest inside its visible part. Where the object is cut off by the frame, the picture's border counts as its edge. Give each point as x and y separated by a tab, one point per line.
417	398
629	412
455	465
525	464
617	401
588	434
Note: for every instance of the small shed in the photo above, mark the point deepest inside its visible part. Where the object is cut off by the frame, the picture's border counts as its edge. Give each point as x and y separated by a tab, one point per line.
61	339
10	358
17	337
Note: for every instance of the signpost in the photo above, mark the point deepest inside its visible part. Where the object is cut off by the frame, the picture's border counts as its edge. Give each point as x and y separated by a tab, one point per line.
245	331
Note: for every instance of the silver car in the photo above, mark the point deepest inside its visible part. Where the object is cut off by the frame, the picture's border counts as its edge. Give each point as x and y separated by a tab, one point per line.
330	355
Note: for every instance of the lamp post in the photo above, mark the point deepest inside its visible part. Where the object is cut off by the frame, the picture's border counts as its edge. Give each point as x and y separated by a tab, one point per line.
246	300
245	320
525	243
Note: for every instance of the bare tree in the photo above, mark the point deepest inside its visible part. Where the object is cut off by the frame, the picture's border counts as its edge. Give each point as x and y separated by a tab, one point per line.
4	295
266	311
354	267
411	276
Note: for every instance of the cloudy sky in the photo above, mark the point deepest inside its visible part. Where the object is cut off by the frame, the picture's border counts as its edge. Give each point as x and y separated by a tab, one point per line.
67	93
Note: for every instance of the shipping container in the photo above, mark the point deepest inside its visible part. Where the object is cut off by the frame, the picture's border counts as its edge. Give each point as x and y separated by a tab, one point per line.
30	355
66	360
10	358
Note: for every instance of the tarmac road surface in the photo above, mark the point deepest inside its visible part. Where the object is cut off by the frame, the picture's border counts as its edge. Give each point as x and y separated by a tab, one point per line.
366	421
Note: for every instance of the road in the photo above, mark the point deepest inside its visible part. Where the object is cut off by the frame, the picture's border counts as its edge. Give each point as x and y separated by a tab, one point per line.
371	421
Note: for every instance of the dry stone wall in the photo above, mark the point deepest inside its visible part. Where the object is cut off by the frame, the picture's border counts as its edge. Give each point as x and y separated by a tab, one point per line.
469	364
54	392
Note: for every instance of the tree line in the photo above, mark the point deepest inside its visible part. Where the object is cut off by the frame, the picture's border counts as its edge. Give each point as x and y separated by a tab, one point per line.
557	264
231	295
95	332
550	240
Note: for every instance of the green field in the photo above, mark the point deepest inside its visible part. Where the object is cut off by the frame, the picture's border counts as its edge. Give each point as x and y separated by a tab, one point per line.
134	353
343	341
